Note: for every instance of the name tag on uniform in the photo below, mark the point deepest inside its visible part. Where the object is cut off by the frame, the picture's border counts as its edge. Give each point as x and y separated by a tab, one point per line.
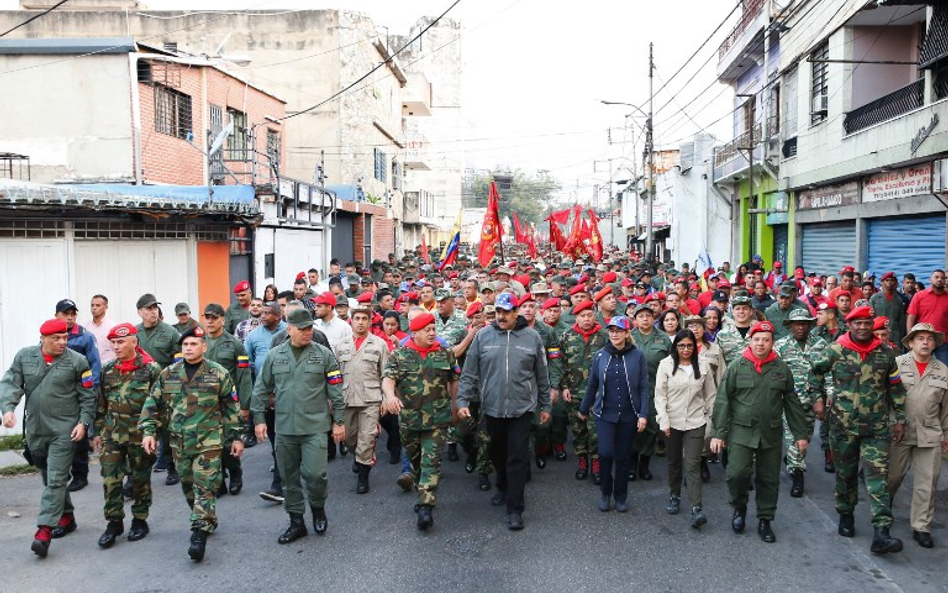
315	360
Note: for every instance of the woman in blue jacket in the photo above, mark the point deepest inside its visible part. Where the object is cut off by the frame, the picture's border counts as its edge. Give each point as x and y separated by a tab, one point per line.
617	394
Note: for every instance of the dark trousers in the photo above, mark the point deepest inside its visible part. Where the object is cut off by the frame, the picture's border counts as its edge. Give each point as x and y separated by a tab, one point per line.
390	423
510	455
615	441
80	460
684	448
270	417
761	464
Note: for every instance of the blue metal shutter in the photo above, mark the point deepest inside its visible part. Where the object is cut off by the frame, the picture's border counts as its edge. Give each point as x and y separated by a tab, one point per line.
909	244
827	247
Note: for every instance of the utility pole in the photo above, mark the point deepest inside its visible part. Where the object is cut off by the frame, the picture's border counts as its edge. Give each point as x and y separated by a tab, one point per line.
751	202
650	150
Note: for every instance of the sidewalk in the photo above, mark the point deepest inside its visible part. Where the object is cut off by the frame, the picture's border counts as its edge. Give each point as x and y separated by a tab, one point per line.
10	459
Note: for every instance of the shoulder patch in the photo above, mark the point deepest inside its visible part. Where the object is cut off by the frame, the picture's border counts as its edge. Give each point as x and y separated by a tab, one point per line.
334	377
87	379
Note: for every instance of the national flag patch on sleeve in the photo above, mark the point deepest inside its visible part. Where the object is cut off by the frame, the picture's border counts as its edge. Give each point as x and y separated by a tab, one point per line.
178	356
895	377
233	394
87	379
553	353
243	362
334	377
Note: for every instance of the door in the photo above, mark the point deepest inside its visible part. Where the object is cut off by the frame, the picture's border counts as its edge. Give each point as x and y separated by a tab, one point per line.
827	247
781	238
909	244
342	238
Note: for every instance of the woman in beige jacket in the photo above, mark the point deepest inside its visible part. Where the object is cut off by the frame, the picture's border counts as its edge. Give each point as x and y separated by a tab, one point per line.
712	354
684	398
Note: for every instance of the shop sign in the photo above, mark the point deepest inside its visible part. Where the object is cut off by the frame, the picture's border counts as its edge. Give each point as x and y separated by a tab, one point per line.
831	196
899	183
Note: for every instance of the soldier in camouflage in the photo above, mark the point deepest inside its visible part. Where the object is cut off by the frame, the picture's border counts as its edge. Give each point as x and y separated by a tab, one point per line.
733	339
829	328
655	346
451	327
419	384
196	401
866	388
541	432
799	350
126	383
559	426
472	431
227	351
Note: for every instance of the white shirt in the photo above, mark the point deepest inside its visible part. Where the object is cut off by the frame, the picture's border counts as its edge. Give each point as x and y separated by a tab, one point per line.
101	332
336	330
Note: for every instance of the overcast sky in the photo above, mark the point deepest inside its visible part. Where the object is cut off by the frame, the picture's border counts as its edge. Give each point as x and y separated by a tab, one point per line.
535	71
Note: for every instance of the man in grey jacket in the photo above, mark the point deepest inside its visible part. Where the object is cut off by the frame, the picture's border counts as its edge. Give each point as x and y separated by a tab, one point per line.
507	363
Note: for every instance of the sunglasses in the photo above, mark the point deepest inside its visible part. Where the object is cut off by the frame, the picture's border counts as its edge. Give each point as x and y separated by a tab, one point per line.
211	316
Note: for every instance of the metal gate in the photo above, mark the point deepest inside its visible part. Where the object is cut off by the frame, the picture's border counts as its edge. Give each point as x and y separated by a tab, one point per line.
781	238
827	247
911	244
342	238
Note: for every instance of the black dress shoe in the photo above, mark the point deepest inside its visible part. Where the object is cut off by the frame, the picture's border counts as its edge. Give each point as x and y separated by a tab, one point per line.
737	521
425	520
796	490
77	484
236	485
362	482
483	482
112	531
883	543
173	479
470	464
320	522
250	441
343	449
296	530
923	538
198	544
499	498
138	530
644	472
453	452
272	495
847	525
514	521
765	532
559	453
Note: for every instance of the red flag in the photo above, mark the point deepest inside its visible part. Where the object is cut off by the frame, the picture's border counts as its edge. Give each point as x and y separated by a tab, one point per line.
491	231
556	236
574	243
520	233
531	241
561	217
595	237
424	250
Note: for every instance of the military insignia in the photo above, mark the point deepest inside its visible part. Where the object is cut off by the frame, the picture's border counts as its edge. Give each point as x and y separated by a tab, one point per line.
178	356
334	377
87	379
894	377
121	332
198	332
243	361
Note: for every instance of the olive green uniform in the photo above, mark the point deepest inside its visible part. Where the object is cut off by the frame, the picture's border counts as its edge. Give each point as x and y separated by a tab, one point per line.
655	346
161	343
234	314
227	351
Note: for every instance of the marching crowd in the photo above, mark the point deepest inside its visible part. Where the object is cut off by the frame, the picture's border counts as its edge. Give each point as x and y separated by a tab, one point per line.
500	363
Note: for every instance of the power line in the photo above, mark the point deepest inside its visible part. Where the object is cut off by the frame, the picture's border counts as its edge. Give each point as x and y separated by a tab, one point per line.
34	17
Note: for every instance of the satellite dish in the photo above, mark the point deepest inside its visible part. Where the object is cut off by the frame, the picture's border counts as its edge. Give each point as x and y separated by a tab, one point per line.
220	48
221	137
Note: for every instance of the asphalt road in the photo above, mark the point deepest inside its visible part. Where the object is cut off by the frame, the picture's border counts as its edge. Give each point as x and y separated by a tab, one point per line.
567	545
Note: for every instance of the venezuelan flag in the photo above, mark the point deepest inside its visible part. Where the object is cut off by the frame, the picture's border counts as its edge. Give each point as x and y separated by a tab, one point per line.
233	393
450	253
895	377
334	377
553	353
243	362
178	356
87	380
457	368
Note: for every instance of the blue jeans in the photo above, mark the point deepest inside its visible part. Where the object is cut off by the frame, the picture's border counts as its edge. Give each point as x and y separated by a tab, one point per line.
406	465
941	353
615	442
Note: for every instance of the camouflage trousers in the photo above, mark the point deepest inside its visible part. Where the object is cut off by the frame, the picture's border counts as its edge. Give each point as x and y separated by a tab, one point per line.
471	432
824	433
546	436
795	459
117	459
585	438
201	474
424	449
873	451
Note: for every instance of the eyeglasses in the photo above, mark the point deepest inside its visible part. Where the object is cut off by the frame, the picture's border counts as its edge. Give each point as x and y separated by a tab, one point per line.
685	346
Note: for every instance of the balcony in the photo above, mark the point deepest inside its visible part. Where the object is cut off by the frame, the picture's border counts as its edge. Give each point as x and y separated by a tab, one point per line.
416	157
886	107
416	97
730	160
743	46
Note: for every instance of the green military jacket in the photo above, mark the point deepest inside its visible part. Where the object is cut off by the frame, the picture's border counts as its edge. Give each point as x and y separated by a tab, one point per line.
577	355
821	331
655	347
233	316
59	395
776	316
864	391
202	413
227	351
750	406
424	386
454	330
731	342
800	359
160	342
183	327
894	310
121	398
304	390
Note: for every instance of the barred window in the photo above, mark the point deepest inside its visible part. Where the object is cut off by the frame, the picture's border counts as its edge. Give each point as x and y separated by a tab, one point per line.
172	112
380	165
819	92
273	147
237	144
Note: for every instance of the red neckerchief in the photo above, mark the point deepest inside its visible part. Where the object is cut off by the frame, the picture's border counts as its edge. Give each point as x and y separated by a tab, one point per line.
862	349
359	342
759	364
921	366
595	328
49	359
422	351
136	362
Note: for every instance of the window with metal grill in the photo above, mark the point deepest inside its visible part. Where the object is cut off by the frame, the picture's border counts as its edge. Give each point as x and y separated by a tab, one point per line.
819	89
237	143
172	112
381	165
273	147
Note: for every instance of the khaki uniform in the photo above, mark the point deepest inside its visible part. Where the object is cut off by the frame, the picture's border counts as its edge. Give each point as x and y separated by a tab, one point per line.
926	410
362	389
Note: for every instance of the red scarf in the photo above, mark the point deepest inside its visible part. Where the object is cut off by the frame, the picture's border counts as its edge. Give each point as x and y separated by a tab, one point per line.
759	364
49	359
422	351
595	329
863	349
136	362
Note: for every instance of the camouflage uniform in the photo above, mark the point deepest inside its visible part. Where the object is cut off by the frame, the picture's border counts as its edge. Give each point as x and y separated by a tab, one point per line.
121	398
864	393
423	385
777	316
200	415
655	346
454	330
731	343
559	422
543	434
573	373
820	331
227	351
800	360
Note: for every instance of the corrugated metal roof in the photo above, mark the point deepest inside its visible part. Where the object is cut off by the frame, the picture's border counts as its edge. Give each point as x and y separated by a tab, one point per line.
67	46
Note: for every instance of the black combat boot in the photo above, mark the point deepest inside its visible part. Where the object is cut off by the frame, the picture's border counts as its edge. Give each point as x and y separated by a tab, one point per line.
582	469
883	543
847	525
737	521
296	530
198	543
765	532
362	483
236	482
705	470
425	520
796	490
138	530
453	452
112	531
644	472
320	522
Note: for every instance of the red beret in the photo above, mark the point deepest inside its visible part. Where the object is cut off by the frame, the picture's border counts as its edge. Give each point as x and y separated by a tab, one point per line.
122	330
452	275
528	296
53	326
550	303
301	275
402	299
326	298
582	307
880	322
364	297
412	295
241	286
578	289
864	312
610	277
602	294
761	326
421	321
889	275
826	305
583	279
474	308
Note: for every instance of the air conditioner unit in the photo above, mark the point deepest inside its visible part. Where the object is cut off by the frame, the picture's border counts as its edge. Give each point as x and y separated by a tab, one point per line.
940	176
820	105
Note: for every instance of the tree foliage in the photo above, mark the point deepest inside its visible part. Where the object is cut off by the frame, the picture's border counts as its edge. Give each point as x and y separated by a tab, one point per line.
529	196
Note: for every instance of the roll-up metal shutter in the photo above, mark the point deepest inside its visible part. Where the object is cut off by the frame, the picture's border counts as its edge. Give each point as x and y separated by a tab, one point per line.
909	244
781	237
827	247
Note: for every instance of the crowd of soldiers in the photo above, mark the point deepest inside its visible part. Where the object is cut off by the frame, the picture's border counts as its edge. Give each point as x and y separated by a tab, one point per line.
493	362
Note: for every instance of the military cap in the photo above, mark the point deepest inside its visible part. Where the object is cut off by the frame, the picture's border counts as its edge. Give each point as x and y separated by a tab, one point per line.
53	326
442	293
643	308
559	280
505	270
540	288
352	279
798	315
488	286
692	319
300	318
146	300
214	309
182	308
740	299
121	330
342	300
192	332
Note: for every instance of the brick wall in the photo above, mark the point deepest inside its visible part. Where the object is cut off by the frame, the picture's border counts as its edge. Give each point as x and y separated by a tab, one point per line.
383	237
